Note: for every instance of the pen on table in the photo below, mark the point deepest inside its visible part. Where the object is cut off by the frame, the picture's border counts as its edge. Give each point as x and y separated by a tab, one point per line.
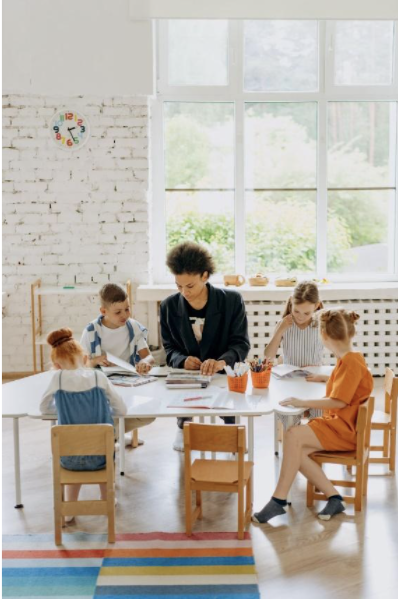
198	397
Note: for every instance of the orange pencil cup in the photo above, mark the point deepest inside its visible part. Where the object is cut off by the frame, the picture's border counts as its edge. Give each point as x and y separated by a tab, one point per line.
260	380
238	383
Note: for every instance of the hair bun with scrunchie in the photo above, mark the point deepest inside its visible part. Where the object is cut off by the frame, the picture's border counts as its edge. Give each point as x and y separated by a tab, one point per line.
57	338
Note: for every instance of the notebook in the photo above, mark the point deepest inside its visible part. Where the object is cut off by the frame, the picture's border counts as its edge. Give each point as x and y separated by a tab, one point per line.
187	381
285	371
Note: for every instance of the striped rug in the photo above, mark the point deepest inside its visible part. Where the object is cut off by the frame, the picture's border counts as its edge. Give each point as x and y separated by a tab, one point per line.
157	565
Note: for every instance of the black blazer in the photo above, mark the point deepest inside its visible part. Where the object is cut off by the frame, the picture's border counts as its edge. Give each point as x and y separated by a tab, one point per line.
225	333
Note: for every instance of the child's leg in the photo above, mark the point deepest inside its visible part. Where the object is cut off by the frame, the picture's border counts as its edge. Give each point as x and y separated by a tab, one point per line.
315	474
72	492
295	439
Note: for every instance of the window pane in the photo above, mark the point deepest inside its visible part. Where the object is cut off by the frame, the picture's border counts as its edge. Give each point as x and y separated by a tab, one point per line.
198	52
361	144
280	145
363	53
206	218
358	231
280	232
281	56
199	145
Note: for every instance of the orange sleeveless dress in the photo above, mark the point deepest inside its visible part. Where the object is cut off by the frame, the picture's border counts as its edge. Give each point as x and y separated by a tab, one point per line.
352	383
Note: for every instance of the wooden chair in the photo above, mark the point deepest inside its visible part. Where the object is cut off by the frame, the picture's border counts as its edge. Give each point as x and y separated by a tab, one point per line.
358	458
387	422
72	440
224	476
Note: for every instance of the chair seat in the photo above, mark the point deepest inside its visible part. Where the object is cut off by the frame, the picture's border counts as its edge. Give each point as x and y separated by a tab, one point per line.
71	477
219	471
381	417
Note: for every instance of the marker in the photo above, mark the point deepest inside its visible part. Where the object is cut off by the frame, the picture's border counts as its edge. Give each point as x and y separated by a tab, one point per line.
199	397
68	287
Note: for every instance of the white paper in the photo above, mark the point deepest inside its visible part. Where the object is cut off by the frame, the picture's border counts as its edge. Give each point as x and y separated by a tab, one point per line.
201	400
287	370
122	363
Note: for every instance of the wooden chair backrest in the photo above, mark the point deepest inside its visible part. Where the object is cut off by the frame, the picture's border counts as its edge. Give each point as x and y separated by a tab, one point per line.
82	439
211	437
391	394
364	423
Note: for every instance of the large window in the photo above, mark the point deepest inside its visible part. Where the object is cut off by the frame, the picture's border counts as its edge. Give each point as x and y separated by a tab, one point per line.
278	146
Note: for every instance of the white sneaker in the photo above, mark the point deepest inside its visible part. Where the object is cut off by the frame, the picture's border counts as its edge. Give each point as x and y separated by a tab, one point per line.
128	440
178	444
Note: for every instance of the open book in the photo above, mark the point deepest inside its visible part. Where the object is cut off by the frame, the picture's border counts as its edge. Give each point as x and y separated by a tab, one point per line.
205	402
284	371
163	371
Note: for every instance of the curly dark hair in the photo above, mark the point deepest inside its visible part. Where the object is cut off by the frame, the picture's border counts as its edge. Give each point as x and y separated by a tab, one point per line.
190	258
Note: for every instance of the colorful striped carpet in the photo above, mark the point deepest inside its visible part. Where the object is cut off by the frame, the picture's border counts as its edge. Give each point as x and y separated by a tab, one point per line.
156	565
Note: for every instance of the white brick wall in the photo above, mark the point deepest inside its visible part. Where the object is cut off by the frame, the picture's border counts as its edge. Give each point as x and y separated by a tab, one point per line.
70	219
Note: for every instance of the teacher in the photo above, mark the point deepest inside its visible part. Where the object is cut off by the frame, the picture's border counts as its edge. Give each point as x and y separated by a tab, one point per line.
203	327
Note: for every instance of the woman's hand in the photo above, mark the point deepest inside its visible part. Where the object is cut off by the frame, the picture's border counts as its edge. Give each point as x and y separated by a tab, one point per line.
210	367
143	367
292	401
317	378
192	363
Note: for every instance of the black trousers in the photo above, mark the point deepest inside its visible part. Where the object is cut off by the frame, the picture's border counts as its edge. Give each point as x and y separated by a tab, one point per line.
227	420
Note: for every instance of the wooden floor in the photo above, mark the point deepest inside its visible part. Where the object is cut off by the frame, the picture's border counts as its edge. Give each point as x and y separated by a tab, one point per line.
297	555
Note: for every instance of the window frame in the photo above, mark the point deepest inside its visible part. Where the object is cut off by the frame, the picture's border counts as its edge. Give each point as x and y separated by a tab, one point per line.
234	92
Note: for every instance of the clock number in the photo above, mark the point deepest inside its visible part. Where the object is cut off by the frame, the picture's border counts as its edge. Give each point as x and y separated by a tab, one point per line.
82	129
56	129
76	140
58	136
69	116
68	142
63	139
79	122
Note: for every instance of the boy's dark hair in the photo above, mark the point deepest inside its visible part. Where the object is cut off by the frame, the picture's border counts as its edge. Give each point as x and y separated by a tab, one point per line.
112	294
190	258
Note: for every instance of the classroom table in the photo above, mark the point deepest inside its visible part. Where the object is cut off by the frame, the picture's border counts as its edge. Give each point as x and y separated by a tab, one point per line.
22	398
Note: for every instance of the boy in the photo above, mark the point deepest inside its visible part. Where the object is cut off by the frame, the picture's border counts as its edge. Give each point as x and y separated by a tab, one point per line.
116	332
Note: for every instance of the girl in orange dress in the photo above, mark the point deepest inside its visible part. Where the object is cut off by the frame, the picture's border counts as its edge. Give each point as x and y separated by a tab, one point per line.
349	385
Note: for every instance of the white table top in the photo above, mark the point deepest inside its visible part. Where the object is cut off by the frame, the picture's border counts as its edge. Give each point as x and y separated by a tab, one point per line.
23	397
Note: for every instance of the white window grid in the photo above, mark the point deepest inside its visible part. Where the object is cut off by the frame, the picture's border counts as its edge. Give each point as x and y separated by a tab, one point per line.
234	92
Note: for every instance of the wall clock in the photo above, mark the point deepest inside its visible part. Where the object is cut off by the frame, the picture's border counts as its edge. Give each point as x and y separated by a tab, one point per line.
69	129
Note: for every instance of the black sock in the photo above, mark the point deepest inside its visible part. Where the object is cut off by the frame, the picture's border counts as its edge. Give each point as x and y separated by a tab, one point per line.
336	497
280	501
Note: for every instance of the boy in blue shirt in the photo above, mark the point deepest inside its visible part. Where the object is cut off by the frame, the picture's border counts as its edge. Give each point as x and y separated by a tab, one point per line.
114	331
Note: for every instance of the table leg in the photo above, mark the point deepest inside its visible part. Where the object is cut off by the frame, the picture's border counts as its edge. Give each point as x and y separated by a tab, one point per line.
290	422
121	446
17	464
276	435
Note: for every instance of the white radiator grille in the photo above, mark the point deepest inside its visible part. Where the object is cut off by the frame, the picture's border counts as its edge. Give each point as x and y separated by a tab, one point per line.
377	329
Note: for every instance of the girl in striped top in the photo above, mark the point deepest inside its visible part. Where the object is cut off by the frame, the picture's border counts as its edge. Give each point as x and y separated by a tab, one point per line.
298	332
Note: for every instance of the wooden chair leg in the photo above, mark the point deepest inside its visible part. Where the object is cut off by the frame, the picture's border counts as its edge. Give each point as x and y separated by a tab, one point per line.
199	503
310	494
365	478
386	439
58	519
241	514
188	513
110	494
393	448
248	512
134	439
359	487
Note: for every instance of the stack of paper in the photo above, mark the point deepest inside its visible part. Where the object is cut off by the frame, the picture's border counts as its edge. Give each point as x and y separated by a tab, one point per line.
187	381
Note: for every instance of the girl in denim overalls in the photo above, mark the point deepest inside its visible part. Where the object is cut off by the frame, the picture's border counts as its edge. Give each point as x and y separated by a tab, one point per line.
78	395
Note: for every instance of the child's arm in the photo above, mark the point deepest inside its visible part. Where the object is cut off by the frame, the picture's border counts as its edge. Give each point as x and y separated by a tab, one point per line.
273	346
47	404
317	378
116	402
93	361
146	361
321	404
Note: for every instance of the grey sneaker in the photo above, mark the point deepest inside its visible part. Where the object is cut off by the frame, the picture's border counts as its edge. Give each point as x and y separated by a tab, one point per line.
334	506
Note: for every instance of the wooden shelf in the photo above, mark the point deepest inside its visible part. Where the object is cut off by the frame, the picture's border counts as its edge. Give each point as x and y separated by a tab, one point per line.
93	290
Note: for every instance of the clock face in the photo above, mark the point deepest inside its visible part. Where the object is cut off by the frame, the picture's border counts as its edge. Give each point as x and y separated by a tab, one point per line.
69	130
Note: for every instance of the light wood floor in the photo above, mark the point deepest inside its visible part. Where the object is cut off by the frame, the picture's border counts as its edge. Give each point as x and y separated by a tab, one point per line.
297	555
